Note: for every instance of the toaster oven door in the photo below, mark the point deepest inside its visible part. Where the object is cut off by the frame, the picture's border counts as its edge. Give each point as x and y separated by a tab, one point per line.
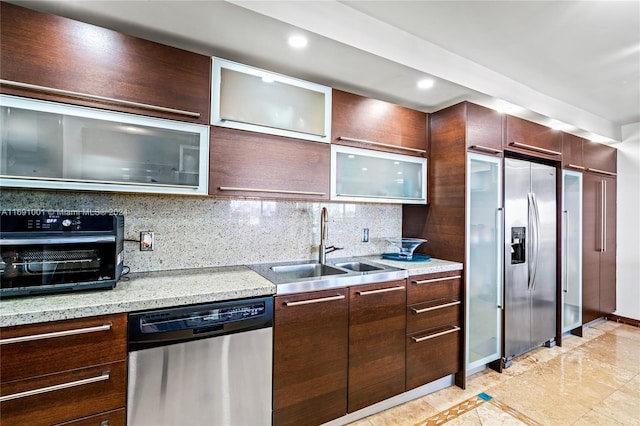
47	265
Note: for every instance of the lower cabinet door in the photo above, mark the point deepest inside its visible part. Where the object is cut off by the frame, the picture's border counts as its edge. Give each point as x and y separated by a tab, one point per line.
433	354
377	324
62	397
310	357
110	418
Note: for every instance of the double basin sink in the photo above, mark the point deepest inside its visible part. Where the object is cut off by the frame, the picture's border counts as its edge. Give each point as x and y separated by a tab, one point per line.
302	276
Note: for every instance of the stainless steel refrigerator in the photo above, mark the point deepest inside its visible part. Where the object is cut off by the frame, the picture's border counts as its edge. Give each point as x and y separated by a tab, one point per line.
530	256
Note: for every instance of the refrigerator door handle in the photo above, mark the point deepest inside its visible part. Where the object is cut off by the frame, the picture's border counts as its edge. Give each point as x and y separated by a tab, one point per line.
534	219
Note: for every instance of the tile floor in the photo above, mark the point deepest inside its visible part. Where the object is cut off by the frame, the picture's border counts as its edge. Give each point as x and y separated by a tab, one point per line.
593	380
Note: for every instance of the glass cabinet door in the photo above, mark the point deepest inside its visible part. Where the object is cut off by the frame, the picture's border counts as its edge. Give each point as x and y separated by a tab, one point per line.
571	250
249	98
484	223
52	145
375	176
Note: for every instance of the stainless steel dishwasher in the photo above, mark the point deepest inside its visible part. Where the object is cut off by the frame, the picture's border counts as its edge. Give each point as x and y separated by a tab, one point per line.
201	365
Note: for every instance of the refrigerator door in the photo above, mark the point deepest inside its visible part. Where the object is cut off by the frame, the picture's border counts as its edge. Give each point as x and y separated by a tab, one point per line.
543	283
517	255
484	260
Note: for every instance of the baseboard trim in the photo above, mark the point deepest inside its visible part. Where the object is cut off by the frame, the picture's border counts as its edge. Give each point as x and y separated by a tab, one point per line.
623	320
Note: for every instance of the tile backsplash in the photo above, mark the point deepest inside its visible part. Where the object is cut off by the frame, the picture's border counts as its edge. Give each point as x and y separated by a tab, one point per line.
195	232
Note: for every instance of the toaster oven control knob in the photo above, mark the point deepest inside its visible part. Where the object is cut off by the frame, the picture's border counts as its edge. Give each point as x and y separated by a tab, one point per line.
66	223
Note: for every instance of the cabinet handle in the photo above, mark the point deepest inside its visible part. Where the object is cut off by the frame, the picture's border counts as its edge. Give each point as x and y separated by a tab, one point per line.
433	336
604	216
433	280
341	194
43	336
114	182
565	261
486	148
386	145
381	290
575	166
534	148
99	98
433	308
310	301
104	376
604	172
271	191
232	120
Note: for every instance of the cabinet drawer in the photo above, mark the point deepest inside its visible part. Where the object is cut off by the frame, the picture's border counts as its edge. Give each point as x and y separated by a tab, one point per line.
64	396
46	348
432	355
530	138
110	418
425	288
424	316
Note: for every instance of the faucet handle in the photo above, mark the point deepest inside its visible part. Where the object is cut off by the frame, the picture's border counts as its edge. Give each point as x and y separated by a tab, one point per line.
333	248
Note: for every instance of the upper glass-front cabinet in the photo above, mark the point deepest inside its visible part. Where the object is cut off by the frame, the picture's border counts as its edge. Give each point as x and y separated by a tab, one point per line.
58	146
375	176
252	99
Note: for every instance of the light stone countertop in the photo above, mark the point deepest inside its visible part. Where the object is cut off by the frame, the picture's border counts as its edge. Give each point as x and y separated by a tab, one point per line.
162	289
139	291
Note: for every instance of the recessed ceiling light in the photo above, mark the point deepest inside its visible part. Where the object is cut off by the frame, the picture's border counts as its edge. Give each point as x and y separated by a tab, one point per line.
268	79
297	41
426	83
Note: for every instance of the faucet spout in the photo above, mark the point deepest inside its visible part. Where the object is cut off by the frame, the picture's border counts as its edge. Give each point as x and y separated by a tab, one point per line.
323	249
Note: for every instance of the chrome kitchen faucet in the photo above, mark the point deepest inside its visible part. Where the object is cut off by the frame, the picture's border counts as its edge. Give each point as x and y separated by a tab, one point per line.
323	249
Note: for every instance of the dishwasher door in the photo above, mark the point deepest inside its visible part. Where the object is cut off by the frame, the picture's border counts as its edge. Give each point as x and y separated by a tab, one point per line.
224	379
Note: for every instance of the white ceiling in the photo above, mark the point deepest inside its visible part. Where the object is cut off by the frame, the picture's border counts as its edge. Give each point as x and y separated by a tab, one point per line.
570	62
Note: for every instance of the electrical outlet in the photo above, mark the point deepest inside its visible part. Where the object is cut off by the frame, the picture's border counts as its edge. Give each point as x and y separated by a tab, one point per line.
365	235
146	241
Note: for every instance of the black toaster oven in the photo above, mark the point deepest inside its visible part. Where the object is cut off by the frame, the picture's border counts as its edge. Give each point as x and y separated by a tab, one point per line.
49	251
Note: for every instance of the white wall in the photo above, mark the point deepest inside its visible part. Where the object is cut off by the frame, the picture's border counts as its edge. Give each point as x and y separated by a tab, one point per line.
628	217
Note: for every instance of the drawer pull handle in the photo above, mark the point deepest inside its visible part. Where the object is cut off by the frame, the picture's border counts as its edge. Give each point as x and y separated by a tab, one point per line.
575	166
433	280
43	336
534	148
387	145
433	336
486	148
310	301
104	376
604	172
271	191
433	308
381	290
99	98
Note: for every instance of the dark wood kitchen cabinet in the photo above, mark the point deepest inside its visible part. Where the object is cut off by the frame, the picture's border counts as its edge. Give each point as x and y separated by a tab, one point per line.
434	327
599	158
483	129
103	68
373	124
572	152
310	359
598	246
64	371
377	319
529	138
252	164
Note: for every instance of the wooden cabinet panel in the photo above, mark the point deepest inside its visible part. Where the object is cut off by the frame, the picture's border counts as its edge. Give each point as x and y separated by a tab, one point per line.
598	247
572	157
423	316
532	139
444	285
310	357
484	129
599	158
433	354
87	344
254	164
366	119
68	403
110	418
55	52
377	324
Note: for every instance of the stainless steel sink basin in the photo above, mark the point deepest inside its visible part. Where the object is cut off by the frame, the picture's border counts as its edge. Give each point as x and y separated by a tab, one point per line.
305	270
305	275
359	266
